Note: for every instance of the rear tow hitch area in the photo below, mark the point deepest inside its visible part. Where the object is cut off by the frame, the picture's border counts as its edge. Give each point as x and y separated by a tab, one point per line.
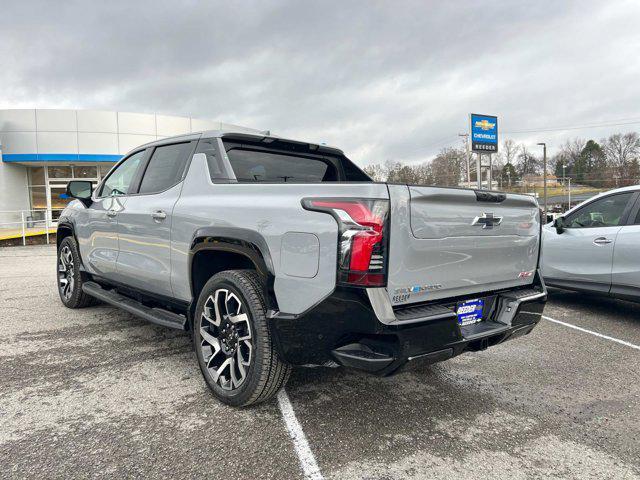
478	345
362	357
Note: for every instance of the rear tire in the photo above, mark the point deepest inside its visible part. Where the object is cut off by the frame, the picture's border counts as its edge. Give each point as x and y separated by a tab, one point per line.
233	342
69	276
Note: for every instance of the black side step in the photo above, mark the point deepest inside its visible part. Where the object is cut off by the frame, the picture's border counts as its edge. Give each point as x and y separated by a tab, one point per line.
153	315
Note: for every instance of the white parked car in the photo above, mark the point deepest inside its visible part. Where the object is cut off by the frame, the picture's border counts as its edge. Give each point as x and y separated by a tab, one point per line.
595	246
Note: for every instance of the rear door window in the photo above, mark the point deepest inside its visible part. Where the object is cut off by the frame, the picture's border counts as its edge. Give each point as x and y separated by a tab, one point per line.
253	166
165	167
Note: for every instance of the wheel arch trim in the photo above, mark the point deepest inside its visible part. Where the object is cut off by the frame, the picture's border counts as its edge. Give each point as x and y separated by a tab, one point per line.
247	243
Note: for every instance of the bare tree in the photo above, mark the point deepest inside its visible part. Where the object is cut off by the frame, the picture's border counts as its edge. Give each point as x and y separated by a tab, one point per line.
447	167
510	151
622	153
376	171
528	163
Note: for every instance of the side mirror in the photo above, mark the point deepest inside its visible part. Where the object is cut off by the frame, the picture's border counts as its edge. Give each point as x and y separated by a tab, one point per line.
80	189
559	224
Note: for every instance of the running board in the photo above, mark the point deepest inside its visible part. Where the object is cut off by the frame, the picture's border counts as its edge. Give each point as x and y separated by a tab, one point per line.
153	315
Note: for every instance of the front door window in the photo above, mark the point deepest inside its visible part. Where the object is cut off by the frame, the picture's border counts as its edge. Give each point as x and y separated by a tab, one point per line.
605	212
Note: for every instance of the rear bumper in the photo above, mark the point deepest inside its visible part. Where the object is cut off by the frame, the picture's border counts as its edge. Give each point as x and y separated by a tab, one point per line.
354	328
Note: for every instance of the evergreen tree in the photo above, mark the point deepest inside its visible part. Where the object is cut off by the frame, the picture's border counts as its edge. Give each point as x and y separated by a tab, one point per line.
593	165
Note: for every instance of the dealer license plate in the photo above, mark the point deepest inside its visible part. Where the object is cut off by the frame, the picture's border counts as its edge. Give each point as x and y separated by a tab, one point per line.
470	312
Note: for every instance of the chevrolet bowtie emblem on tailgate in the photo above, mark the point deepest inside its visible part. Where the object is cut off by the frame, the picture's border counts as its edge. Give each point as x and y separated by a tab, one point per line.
487	220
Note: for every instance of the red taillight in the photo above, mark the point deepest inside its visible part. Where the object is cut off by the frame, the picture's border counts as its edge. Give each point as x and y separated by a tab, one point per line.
362	243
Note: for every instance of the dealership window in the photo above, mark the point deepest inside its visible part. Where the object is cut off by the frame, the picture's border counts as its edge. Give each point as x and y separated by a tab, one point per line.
62	171
103	169
37	187
85	171
47	186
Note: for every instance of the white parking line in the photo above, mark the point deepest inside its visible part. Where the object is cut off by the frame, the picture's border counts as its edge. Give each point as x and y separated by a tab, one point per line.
300	442
606	337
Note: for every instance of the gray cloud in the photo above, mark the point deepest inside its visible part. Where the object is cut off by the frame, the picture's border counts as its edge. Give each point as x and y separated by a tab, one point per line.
382	80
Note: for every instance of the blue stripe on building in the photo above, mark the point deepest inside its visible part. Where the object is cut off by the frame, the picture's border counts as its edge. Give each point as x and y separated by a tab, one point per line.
59	157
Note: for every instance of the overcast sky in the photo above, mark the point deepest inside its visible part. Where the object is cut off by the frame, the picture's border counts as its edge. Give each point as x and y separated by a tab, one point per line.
382	80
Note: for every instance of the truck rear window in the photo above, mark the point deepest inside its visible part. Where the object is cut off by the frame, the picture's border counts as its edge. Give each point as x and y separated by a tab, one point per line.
260	166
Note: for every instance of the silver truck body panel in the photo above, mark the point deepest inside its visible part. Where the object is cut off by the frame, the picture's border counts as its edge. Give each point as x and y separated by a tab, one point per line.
144	240
271	210
435	249
437	252
97	233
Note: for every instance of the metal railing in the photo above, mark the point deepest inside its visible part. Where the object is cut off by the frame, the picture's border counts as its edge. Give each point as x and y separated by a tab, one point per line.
27	223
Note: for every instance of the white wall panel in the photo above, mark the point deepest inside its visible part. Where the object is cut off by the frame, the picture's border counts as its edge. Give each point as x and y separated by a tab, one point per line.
136	123
98	143
129	142
57	142
97	121
14	194
198	125
18	142
169	126
56	121
17	120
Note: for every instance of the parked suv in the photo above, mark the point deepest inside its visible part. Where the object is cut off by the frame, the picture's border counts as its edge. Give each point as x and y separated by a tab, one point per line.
595	247
275	253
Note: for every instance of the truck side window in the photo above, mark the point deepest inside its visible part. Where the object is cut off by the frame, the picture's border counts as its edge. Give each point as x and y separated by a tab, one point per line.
209	148
119	181
165	167
605	212
252	166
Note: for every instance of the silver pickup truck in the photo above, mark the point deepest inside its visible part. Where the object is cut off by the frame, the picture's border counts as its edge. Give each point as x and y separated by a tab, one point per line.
274	253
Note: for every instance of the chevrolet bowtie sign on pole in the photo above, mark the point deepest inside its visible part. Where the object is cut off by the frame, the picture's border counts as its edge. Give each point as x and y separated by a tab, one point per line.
484	140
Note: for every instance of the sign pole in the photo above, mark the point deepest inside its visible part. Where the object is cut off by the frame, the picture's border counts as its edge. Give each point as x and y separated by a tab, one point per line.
490	176
479	170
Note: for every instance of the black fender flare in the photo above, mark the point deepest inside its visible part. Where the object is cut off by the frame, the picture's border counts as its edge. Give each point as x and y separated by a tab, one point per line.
66	223
248	243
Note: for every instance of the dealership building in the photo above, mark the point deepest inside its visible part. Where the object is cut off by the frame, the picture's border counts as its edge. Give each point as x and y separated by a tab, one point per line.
41	150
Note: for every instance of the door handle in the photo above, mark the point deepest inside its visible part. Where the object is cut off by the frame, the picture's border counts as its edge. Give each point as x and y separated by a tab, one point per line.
159	215
111	213
602	241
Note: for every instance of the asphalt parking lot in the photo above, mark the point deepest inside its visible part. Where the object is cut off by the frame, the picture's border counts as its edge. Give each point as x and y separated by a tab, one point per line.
99	393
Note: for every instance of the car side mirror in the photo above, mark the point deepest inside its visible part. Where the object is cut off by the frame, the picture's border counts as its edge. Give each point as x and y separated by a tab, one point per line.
559	224
80	189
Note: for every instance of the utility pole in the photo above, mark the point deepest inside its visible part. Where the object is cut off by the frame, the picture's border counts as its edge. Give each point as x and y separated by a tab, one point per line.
564	177
468	155
544	176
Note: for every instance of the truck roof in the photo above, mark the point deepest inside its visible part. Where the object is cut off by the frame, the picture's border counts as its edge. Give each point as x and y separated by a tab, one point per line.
244	134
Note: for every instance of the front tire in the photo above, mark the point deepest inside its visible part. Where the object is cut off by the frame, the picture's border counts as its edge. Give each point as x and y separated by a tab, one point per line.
233	342
69	276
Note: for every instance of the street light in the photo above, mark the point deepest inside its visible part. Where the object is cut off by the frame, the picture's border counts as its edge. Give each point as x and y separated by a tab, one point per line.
544	176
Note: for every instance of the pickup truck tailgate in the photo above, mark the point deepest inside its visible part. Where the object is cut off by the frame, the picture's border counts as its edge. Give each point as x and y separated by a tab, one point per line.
448	242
